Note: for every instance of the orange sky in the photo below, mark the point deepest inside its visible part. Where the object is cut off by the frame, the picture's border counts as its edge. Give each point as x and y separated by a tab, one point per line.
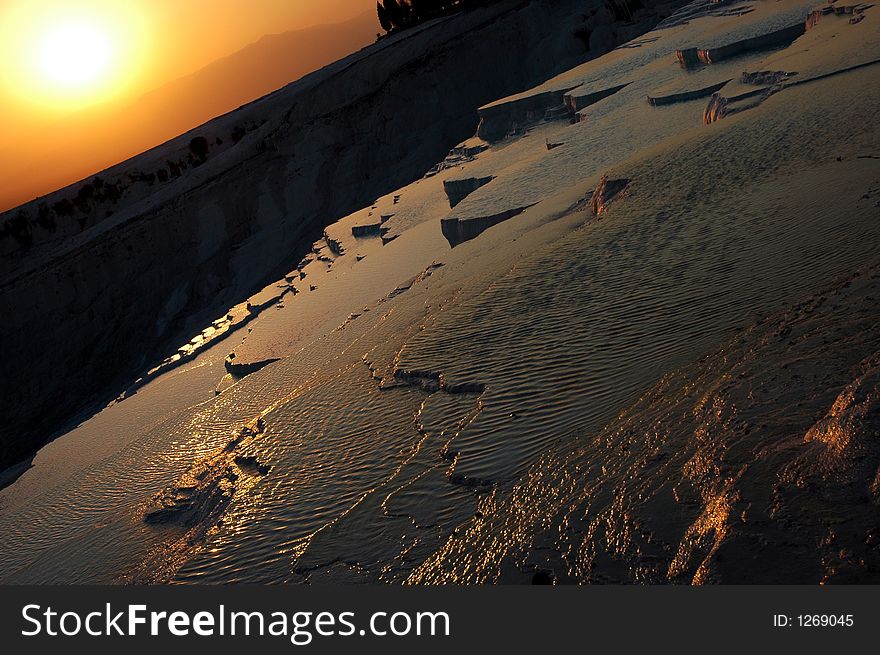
196	32
45	117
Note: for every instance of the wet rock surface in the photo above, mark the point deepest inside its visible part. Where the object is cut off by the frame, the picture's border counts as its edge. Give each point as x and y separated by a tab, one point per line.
196	504
755	464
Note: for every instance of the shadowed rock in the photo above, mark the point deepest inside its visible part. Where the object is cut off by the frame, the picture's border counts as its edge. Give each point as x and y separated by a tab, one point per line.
580	97
459	230
240	370
371	230
334	245
499	119
458	190
684	96
693	57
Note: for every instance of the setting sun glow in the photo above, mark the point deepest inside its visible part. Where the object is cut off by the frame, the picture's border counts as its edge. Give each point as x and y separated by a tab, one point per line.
69	54
74	55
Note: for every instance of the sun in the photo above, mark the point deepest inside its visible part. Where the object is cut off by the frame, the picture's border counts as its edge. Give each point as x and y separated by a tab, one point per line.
75	55
67	54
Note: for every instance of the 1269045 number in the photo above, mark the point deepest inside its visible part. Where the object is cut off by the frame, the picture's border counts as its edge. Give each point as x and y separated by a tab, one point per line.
825	620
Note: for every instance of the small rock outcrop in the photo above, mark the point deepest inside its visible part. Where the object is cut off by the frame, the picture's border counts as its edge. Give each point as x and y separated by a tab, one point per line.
715	110
241	369
607	192
500	119
765	78
857	13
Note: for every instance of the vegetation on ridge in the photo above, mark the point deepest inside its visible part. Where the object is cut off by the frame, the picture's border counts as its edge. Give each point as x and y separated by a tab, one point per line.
401	14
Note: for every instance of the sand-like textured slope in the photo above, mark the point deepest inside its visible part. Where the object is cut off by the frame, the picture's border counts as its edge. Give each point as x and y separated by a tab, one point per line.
681	388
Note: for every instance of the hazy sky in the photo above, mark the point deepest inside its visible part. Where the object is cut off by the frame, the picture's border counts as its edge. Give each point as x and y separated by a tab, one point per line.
199	31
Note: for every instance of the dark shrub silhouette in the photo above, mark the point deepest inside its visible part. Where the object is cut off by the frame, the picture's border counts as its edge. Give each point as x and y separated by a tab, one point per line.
83	199
199	147
384	21
401	14
19	227
45	218
63	207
